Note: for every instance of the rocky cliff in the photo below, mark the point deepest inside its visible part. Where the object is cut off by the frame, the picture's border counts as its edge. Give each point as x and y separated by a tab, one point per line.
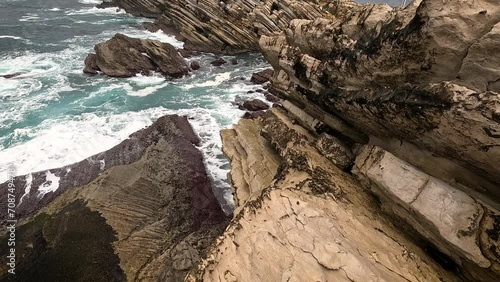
141	211
381	163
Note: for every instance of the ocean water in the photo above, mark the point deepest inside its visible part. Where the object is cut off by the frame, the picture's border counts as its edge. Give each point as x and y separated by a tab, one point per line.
54	115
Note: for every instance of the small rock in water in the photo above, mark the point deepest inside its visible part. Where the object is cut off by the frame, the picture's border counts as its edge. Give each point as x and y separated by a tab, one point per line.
254	105
234	61
219	62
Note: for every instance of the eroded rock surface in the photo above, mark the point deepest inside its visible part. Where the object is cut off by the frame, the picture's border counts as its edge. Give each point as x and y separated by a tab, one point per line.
424	74
123	56
147	213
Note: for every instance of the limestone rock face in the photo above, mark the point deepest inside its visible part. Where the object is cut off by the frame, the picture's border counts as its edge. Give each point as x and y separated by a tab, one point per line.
445	215
426	74
312	222
145	213
123	56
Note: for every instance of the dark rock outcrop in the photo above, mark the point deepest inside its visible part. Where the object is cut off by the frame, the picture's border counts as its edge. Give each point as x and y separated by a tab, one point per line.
262	76
148	201
254	105
195	65
219	62
11	75
91	64
123	56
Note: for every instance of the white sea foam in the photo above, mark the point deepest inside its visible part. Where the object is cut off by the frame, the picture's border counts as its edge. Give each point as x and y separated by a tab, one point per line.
27	188
51	184
54	9
220	78
12	37
57	143
159	35
94	10
141	80
90	2
143	91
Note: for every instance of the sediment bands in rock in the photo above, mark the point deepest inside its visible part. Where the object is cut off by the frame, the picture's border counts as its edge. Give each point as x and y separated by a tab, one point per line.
301	218
427	74
123	56
142	211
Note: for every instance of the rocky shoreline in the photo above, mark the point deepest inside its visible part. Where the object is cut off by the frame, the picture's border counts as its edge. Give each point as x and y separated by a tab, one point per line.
378	162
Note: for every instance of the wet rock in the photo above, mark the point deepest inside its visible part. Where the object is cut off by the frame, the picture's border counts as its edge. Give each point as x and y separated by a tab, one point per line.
272	98
195	65
185	53
219	62
150	190
123	56
233	61
11	75
91	64
262	76
253	115
254	105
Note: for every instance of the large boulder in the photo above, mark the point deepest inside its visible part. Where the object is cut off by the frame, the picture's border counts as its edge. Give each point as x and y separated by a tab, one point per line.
123	56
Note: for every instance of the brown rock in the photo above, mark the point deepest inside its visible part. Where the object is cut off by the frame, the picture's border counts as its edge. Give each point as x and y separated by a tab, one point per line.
195	65
219	62
91	64
254	105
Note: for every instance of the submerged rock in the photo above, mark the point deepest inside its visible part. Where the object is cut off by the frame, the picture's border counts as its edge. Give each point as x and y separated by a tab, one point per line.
123	56
262	77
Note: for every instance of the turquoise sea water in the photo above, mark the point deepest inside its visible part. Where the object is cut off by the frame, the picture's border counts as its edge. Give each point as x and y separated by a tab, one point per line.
54	115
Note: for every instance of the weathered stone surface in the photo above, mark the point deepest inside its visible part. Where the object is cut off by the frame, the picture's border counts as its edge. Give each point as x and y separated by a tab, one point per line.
262	76
443	214
219	62
335	150
123	56
423	74
148	201
195	65
254	105
252	168
312	223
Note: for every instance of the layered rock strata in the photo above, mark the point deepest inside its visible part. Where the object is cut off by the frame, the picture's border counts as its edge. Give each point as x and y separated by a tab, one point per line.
424	75
148	214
